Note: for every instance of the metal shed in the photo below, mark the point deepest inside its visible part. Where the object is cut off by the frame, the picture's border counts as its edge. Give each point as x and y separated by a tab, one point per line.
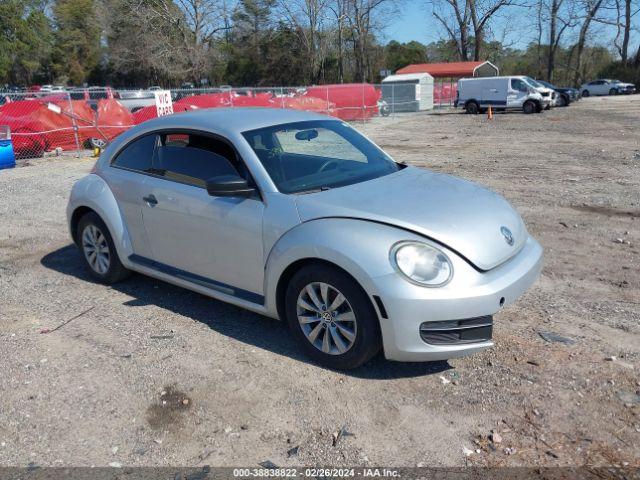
447	74
408	93
453	69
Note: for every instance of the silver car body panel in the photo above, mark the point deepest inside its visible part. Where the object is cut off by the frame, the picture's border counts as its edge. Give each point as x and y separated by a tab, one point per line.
236	250
454	212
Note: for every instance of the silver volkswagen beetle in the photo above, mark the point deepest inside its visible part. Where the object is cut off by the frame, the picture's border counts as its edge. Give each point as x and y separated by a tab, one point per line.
299	216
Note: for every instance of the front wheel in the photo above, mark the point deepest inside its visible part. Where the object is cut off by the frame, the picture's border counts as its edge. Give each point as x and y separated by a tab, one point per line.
529	107
613	91
332	317
585	93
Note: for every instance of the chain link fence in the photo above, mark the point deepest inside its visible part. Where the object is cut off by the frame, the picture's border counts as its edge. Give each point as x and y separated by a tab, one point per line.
68	122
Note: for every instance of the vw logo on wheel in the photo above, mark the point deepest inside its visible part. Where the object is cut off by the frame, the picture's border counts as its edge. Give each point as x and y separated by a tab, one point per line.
508	236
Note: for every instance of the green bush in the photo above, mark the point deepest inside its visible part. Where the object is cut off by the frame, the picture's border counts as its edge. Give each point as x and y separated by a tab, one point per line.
623	72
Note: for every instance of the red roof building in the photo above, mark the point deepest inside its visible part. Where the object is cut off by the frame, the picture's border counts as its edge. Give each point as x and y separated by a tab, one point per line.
452	69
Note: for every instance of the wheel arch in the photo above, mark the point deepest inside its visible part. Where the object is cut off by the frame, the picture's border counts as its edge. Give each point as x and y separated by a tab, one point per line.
76	215
337	242
92	194
290	271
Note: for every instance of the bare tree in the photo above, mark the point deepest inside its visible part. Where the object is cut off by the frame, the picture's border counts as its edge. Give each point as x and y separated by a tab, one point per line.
625	11
590	8
339	10
365	18
308	19
466	19
197	26
482	11
561	19
454	16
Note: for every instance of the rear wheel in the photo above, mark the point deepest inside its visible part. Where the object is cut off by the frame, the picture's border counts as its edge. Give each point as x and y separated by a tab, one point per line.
332	317
472	108
585	93
529	107
98	250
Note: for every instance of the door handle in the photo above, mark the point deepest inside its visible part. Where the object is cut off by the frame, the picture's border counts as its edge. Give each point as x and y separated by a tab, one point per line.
151	200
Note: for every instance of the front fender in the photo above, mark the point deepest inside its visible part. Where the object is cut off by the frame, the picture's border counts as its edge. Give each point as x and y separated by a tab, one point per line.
94	193
360	247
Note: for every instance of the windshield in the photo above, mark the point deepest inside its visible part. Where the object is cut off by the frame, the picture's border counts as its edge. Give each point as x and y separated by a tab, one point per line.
314	155
548	85
533	82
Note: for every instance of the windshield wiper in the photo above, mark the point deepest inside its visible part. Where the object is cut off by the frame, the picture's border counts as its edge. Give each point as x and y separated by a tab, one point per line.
323	188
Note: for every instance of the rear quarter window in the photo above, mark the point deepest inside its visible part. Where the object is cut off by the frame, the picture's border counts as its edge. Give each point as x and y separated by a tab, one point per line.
138	155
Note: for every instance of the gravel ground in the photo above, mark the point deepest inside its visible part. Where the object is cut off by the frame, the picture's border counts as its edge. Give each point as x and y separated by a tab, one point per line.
151	374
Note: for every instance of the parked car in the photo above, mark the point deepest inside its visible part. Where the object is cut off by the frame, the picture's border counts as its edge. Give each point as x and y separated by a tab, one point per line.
625	88
545	91
135	100
606	87
93	95
511	92
298	216
564	95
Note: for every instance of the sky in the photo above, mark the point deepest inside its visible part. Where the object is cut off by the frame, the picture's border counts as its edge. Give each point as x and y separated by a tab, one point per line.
410	25
416	22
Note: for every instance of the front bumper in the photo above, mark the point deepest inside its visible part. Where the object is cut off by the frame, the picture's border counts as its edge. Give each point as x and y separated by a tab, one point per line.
470	295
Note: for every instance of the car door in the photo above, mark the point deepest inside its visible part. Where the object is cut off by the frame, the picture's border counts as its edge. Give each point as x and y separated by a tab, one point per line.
493	93
213	241
126	177
518	93
598	87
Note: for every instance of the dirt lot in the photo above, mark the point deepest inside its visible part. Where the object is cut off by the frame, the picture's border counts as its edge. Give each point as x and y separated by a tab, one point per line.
238	389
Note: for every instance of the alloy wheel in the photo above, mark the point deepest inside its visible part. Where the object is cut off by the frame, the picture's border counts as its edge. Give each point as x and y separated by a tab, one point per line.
326	318
96	249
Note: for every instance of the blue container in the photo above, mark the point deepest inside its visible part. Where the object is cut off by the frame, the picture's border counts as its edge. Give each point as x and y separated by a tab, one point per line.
7	158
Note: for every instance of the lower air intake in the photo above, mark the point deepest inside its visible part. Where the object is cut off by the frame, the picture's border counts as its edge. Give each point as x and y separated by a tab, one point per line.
452	332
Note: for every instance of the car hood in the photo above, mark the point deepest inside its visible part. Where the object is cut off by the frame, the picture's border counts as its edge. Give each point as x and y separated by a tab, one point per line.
461	215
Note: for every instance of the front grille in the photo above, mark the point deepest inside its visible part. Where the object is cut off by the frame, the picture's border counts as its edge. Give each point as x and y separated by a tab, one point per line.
545	94
451	332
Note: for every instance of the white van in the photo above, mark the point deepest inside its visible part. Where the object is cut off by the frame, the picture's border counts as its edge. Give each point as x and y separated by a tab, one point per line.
513	92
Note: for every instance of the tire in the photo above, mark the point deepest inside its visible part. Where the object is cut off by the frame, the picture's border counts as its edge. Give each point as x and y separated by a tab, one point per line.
340	345
472	108
93	232
585	93
613	91
529	107
562	101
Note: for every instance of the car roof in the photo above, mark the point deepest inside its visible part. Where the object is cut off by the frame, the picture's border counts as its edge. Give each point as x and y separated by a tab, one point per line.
227	122
230	121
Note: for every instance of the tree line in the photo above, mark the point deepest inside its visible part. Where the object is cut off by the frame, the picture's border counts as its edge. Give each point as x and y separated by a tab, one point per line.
138	43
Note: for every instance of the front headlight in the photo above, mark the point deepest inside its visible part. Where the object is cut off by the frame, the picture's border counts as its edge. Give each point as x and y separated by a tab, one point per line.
421	263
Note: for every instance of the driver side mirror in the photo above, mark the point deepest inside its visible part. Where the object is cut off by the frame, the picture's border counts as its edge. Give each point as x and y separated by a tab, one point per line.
229	186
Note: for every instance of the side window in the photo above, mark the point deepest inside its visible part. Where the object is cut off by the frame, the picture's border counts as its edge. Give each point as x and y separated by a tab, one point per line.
519	85
97	94
194	159
138	155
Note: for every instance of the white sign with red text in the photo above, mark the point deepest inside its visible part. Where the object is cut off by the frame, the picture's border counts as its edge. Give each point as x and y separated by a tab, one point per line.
164	105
